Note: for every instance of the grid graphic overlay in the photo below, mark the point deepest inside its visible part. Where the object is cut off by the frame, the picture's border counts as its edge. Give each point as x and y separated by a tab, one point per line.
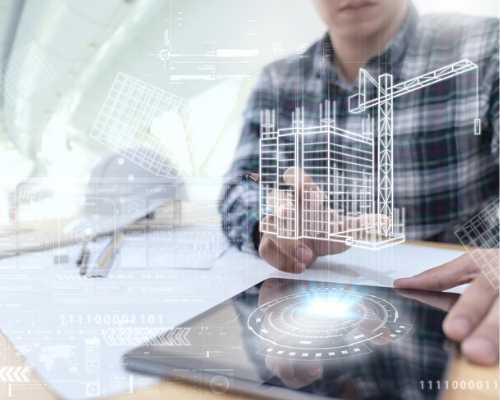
481	237
124	122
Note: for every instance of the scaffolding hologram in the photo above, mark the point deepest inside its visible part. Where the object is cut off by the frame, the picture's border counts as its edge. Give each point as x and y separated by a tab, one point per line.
346	177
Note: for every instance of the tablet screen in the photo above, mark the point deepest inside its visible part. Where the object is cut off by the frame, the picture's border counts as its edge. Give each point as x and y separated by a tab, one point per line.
317	339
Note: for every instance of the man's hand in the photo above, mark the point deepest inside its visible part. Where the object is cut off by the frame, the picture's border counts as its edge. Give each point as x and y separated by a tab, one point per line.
473	320
291	255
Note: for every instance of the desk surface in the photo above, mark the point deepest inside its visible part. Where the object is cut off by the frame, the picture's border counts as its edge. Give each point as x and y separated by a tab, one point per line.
465	381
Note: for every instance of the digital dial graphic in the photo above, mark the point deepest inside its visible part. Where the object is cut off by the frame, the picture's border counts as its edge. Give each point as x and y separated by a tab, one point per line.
324	324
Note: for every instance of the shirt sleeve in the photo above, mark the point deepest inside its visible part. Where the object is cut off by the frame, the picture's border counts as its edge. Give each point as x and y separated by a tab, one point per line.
239	201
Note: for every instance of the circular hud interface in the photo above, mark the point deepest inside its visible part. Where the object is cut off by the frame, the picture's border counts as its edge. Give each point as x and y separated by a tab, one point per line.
325	323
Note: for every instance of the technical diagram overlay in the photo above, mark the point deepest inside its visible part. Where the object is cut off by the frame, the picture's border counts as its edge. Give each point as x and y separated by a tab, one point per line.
327	324
346	178
124	122
481	238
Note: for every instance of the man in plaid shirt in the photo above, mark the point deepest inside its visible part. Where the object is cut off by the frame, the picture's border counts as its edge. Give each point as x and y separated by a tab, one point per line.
443	173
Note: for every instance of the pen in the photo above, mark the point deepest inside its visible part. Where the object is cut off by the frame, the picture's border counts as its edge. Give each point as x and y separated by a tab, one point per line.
252	176
80	258
84	262
107	256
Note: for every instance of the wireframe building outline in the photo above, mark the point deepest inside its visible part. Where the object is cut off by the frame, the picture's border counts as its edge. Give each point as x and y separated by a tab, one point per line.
346	177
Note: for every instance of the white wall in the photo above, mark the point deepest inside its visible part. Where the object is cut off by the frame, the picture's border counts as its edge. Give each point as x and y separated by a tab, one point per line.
478	7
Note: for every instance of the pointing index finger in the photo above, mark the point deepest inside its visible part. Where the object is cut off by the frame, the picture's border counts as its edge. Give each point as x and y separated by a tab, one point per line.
454	273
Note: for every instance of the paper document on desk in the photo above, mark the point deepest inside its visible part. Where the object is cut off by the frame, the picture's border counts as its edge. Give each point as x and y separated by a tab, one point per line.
193	247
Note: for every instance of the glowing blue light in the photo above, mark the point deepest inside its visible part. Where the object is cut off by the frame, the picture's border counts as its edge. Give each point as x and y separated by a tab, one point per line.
329	307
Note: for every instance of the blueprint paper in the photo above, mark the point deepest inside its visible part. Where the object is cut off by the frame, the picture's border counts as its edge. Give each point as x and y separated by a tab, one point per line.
184	248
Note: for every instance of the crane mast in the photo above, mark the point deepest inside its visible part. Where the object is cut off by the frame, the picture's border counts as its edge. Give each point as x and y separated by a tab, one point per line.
387	91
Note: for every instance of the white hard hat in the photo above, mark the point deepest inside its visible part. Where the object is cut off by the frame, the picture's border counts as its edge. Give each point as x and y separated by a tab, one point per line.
120	192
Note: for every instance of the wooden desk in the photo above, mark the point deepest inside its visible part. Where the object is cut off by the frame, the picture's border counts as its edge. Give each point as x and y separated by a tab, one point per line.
465	381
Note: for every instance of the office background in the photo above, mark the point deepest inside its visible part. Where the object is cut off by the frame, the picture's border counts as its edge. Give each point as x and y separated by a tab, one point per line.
207	53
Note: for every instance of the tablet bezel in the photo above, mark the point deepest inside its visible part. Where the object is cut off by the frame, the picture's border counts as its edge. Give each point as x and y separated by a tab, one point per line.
136	361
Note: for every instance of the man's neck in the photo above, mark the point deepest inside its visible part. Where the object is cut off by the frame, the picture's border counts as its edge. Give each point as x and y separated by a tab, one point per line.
353	53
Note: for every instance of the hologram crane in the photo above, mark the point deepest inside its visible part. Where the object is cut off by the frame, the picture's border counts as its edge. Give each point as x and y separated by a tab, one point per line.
363	184
384	101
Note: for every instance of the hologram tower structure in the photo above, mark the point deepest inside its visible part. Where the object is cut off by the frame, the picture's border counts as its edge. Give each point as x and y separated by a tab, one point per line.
345	179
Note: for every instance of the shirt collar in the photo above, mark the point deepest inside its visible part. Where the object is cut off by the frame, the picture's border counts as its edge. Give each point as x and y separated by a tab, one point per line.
388	61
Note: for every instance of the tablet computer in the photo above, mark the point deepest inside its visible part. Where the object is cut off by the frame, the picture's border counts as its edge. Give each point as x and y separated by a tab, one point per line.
297	339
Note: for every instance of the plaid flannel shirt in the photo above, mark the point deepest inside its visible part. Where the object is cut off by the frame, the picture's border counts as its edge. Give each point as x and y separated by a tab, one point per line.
443	173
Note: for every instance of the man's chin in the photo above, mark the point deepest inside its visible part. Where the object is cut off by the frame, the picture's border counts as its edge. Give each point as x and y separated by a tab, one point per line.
364	31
